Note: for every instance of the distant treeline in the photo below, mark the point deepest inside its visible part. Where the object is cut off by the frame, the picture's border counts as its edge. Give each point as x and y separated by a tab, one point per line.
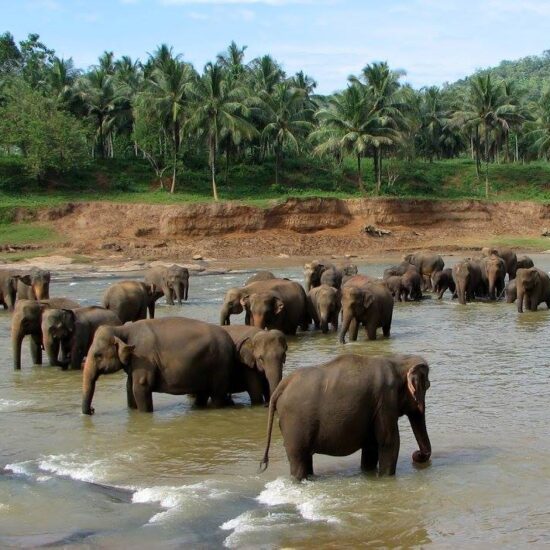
58	118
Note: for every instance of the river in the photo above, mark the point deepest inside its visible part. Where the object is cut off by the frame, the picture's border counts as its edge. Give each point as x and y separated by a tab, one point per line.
183	477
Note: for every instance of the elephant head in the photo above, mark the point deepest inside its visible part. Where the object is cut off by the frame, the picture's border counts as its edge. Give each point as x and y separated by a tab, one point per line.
39	281
263	308
312	274
266	353
328	306
356	303
495	270
107	354
530	279
10	291
177	280
462	276
57	325
231	304
350	270
416	383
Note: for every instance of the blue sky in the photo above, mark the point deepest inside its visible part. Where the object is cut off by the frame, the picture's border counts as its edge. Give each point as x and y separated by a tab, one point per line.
433	40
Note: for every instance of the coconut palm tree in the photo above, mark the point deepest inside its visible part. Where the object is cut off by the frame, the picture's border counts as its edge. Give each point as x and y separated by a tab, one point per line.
286	119
218	109
169	88
539	129
352	125
60	80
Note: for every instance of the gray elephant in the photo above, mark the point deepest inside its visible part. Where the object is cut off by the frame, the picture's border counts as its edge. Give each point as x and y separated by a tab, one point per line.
34	285
524	262
332	277
276	303
493	273
72	331
324	307
397	270
412	283
261	357
8	288
260	276
442	281
366	302
511	291
394	284
427	264
351	403
313	271
509	256
171	282
533	288
130	300
172	355
468	280
27	321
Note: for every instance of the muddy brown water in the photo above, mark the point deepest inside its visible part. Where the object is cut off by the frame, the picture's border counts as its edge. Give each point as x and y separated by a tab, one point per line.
183	477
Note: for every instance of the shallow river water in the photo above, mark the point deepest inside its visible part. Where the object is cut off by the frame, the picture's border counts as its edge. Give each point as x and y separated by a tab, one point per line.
183	477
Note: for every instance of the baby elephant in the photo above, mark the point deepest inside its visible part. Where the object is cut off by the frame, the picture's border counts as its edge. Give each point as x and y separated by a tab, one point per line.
442	281
351	403
324	307
533	288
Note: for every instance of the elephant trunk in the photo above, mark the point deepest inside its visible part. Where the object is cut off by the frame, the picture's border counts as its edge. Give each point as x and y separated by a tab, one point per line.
274	374
418	425
461	293
185	290
42	291
224	316
259	321
16	341
348	316
519	300
89	378
178	293
51	345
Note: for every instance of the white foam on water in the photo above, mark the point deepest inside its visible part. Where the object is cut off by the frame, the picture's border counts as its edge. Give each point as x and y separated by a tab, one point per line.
21	468
308	498
70	466
175	499
7	405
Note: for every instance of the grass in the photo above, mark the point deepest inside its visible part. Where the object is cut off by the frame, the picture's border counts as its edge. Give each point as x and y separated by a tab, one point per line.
25	254
526	243
26	233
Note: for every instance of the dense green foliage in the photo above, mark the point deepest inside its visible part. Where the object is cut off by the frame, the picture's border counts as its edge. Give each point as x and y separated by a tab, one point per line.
252	131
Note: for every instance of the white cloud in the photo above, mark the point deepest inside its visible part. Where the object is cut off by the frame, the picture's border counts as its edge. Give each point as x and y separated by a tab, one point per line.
219	2
49	5
198	16
537	7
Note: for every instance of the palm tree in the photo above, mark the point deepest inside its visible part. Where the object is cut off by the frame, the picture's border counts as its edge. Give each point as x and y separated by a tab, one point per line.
286	119
351	125
168	88
433	116
218	110
266	73
60	79
539	129
233	60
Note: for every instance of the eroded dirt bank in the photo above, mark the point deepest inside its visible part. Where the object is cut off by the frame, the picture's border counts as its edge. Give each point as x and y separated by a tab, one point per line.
309	227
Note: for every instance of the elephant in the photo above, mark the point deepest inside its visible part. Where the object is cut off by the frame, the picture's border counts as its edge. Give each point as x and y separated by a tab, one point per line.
493	273
278	304
266	299
349	270
261	357
73	330
412	283
509	257
352	402
170	282
427	264
313	271
366	302
8	288
533	288
171	355
130	300
511	291
524	262
332	277
324	306
34	286
468	280
260	276
27	320
397	270
394	284
443	280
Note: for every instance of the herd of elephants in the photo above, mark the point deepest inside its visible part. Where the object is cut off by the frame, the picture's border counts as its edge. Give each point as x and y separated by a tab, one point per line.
350	403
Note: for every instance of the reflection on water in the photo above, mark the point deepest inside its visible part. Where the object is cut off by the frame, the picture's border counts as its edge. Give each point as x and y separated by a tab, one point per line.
184	476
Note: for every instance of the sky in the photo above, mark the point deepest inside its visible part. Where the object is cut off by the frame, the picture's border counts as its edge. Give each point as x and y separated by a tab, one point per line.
434	41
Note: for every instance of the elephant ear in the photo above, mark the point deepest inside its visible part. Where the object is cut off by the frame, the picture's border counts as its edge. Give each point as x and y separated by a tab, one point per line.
418	383
246	353
245	301
279	306
368	300
124	351
25	279
70	318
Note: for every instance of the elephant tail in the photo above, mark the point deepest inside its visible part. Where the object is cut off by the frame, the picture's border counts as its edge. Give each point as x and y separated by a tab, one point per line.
272	408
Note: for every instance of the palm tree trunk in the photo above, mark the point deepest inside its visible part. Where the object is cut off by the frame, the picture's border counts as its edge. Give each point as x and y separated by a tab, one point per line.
213	166
359	177
375	166
379	181
486	162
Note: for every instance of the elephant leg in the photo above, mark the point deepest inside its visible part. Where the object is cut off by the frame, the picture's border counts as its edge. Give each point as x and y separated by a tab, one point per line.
254	387
130	393
36	349
201	400
246	318
301	463
151	307
385	330
387	435
353	330
371	331
221	400
369	454
143	394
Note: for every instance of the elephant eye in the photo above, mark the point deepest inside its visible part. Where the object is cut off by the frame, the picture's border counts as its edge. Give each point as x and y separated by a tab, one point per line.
97	355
